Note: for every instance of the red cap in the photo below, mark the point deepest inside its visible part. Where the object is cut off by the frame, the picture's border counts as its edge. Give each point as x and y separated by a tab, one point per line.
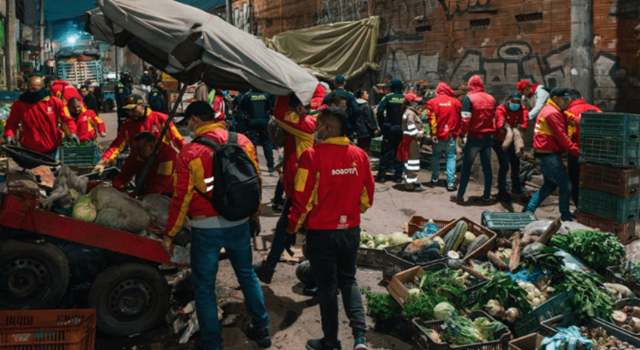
523	84
410	97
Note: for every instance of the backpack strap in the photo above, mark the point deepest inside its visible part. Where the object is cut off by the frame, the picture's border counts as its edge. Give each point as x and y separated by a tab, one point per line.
233	138
207	142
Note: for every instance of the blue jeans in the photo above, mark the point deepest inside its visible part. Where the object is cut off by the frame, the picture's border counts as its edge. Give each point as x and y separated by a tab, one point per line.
448	146
261	138
205	251
555	175
476	145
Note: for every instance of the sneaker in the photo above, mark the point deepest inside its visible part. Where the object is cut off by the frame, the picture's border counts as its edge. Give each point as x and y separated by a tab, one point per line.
360	343
486	200
260	336
311	291
503	197
381	177
319	344
264	273
398	179
568	217
277	208
452	188
434	182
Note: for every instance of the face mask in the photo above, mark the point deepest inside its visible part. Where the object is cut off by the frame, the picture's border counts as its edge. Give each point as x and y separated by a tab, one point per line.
514	107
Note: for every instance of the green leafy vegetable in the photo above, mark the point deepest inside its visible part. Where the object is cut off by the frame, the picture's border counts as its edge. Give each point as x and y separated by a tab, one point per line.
381	306
631	271
422	305
505	290
460	330
597	249
589	299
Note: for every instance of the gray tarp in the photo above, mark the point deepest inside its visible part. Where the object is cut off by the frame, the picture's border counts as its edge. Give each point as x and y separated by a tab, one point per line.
189	44
347	48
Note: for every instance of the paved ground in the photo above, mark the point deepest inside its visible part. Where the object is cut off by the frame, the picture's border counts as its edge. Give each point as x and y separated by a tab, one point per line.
296	318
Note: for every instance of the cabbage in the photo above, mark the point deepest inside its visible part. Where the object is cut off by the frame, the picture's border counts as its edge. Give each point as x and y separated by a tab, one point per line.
398	238
84	209
443	311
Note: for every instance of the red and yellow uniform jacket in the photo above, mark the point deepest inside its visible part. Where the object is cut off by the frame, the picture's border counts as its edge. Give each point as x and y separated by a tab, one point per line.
42	125
153	122
574	114
63	90
333	186
300	136
550	134
88	125
160	179
478	110
194	177
443	112
519	118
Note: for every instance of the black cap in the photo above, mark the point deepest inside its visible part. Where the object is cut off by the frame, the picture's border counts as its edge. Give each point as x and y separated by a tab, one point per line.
132	101
199	108
339	113
561	92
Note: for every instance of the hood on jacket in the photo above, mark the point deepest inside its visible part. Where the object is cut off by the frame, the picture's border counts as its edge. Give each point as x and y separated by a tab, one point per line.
576	102
475	84
444	89
318	96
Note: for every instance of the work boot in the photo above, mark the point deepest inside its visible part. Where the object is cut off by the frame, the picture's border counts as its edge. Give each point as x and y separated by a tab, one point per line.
319	344
398	179
381	177
264	273
503	197
260	336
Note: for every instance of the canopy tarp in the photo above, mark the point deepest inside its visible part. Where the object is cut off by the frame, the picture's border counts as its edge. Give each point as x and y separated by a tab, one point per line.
347	48
193	45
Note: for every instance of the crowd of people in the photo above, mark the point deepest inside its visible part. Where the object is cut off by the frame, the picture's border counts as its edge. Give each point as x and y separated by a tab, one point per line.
325	177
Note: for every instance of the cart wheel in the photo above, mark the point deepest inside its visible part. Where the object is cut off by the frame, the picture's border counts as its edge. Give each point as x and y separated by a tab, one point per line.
129	298
32	275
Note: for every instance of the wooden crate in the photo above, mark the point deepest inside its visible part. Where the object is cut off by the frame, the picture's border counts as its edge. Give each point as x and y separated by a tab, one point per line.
626	233
477	230
619	181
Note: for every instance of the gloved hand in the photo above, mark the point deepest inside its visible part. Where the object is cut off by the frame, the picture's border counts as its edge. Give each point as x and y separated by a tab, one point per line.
99	168
254	226
74	138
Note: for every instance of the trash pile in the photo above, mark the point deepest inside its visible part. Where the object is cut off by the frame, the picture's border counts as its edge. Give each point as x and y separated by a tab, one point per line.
465	286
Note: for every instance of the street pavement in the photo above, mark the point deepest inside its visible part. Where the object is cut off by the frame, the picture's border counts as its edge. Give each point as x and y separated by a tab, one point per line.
295	318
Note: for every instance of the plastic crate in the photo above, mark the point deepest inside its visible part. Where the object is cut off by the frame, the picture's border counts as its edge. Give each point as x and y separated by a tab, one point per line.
551	327
617	125
528	342
416	223
625	232
83	155
617	181
72	329
394	264
619	305
608	206
505	222
370	258
425	341
477	230
399	292
556	305
376	145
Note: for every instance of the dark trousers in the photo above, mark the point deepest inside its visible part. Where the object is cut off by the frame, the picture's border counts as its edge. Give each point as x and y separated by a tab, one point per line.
280	237
507	159
261	138
364	143
278	196
333	263
573	168
474	146
388	160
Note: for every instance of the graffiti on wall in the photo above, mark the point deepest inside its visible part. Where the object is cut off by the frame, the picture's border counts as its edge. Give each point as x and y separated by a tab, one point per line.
341	10
242	17
459	7
513	61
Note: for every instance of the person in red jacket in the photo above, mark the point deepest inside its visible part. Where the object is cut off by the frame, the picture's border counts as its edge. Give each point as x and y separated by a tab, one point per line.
444	115
35	117
511	114
550	141
140	119
160	179
292	116
478	124
63	90
574	112
88	124
211	232
333	186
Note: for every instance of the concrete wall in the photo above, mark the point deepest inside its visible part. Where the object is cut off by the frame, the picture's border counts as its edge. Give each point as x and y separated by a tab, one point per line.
503	40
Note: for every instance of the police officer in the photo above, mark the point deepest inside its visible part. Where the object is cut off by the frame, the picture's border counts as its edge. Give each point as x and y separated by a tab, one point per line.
390	111
352	106
257	106
123	90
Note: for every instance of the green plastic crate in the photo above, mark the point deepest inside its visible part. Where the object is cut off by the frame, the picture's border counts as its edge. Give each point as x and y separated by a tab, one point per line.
609	206
618	125
83	155
505	221
376	145
610	138
559	304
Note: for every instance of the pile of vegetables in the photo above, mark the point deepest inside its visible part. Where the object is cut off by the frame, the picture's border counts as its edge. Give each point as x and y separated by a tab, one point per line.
589	299
631	272
460	330
381	241
628	318
534	295
597	249
502	297
603	341
381	306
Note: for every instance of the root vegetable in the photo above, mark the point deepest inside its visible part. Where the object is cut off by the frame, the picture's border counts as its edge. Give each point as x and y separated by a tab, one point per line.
635	324
619	317
512	314
635	311
494	308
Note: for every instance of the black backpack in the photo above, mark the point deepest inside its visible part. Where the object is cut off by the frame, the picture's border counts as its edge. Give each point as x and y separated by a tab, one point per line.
236	185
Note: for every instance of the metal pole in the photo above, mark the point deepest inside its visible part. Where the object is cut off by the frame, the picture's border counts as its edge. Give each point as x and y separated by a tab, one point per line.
42	32
228	9
11	46
582	47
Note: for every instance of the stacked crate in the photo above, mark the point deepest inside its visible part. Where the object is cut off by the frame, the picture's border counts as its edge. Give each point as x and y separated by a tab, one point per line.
610	172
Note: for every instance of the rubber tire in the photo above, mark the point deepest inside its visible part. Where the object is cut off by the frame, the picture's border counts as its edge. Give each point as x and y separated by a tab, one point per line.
54	260
109	279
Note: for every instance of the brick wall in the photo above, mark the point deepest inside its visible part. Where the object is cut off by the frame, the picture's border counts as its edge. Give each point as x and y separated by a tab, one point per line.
503	40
